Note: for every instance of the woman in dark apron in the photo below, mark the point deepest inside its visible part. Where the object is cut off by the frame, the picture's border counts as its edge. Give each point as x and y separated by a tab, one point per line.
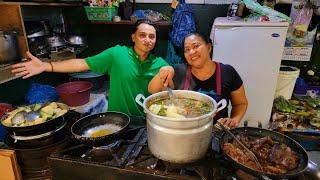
202	74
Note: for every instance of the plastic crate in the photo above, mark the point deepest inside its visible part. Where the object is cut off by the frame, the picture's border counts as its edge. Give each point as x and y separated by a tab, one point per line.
101	13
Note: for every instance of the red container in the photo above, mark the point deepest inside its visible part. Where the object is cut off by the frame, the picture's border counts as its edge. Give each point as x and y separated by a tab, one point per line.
75	93
4	108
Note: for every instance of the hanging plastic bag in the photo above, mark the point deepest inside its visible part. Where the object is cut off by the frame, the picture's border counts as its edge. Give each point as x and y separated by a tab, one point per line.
302	21
266	11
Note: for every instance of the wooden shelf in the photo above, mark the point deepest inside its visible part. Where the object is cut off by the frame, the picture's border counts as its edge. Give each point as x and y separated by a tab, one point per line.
62	4
6	75
128	22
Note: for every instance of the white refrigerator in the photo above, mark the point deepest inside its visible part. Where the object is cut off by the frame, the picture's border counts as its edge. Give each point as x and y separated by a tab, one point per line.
254	49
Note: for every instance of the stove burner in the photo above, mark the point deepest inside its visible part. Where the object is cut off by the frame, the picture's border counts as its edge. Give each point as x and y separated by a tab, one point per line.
106	151
111	154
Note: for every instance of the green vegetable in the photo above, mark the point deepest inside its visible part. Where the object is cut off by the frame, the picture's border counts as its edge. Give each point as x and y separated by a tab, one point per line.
283	105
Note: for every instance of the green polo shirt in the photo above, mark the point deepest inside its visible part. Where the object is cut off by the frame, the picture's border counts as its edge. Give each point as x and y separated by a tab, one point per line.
129	76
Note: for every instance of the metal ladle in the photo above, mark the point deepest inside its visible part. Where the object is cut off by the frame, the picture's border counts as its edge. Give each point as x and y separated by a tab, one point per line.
22	116
32	115
171	97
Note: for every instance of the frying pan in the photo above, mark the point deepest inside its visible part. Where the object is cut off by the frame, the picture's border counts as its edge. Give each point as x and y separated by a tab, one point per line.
258	132
87	123
41	128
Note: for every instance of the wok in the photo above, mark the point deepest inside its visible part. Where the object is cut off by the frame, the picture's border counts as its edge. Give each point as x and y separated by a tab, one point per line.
258	132
36	129
87	123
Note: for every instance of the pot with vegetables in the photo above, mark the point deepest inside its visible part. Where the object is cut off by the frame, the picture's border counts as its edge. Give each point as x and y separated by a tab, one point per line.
179	131
34	119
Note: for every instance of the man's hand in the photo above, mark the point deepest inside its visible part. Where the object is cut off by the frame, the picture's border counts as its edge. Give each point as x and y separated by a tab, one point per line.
30	68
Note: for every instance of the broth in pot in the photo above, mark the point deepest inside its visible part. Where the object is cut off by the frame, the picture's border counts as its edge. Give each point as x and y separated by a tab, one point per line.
180	108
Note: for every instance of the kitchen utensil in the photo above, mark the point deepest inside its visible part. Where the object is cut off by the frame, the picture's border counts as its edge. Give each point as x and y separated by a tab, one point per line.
81	127
75	93
41	128
98	80
56	41
179	140
32	115
37	141
18	118
258	132
23	116
76	40
9	48
250	153
170	95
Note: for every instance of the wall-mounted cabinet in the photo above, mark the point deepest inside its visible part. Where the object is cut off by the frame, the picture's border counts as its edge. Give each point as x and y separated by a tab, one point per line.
13	16
11	20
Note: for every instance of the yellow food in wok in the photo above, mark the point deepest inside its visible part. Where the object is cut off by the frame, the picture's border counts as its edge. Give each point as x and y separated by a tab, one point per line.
100	132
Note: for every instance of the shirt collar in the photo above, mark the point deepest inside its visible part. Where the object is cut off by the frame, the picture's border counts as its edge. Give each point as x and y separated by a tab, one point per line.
135	56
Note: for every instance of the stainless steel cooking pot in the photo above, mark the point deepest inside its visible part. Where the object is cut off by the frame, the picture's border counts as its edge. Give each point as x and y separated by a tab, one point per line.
179	140
9	48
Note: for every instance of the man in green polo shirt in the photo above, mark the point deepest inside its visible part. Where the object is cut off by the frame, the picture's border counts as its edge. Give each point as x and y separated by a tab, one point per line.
130	68
129	76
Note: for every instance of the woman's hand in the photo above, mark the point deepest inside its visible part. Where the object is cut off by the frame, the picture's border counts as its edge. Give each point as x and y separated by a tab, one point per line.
166	74
30	68
229	122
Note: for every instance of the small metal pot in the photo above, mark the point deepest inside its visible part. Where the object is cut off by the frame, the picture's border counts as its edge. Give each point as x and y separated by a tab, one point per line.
76	40
56	41
9	48
179	140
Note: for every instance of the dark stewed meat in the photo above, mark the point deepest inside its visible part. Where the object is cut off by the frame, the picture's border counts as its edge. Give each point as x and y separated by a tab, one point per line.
275	158
282	155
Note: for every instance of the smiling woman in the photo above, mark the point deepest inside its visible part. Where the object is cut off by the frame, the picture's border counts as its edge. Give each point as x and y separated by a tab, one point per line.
202	74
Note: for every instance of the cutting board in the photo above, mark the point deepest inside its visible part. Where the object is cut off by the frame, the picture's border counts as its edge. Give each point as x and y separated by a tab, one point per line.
9	166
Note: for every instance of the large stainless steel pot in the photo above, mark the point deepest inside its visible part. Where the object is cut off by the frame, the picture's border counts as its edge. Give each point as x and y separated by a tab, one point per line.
179	140
9	48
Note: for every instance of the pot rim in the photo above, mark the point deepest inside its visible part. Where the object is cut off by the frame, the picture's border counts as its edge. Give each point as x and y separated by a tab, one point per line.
205	116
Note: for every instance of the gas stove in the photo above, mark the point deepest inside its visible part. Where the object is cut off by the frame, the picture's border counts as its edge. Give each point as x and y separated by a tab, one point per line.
130	158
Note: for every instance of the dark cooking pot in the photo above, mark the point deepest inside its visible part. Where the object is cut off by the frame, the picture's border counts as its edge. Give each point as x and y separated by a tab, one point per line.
89	123
98	80
9	48
37	129
258	132
37	141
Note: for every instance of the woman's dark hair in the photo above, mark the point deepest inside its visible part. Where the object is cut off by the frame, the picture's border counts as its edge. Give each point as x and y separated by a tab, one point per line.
206	39
146	21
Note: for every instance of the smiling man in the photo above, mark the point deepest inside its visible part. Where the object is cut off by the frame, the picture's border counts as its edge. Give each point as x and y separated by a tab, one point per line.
130	68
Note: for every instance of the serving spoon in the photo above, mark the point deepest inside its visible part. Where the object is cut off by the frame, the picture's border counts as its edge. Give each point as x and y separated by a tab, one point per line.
22	116
171	97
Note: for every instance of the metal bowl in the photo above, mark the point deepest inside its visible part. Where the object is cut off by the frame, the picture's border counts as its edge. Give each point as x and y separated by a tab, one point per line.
76	40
